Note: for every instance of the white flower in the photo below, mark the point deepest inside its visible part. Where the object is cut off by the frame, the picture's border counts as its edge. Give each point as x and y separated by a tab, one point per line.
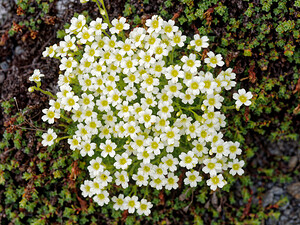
173	89
168	28
129	93
119	202
151	40
165	110
36	76
242	98
122	161
69	43
159	51
173	73
49	137
170	135
70	102
146	155
171	181
220	148
104	177
118	25
50	115
158	182
95	167
147	118
132	129
86	101
193	129
188	160
129	65
108	148
211	166
192	178
77	23
125	47
132	203
190	63
213	101
214	60
97	26
74	142
137	36
140	178
169	162
195	85
178	39
199	148
234	149
86	188
236	167
215	182
103	104
187	98
96	186
146	59
144	207
158	68
49	51
101	198
85	35
149	82
154	24
209	83
68	64
154	145
87	148
122	178
91	52
199	43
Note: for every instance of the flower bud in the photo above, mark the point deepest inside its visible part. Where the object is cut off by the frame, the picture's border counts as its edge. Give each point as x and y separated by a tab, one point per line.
102	12
31	89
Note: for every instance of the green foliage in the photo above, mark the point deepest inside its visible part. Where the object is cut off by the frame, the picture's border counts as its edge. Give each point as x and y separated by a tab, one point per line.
32	15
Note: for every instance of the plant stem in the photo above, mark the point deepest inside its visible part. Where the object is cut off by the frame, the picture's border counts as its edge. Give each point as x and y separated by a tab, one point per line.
45	92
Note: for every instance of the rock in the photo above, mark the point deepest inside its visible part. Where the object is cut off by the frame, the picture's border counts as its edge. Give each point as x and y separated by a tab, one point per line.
2	77
268	199
62	6
4	65
271	221
293	162
5	8
294	190
19	50
277	191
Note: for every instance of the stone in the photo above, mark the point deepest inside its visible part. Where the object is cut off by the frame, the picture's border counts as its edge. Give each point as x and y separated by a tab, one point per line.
267	199
19	50
293	162
2	77
277	191
294	190
4	65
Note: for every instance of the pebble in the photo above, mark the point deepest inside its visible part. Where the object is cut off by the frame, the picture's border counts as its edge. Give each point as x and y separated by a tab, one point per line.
277	191
294	190
2	77
293	162
4	65
5	8
268	198
19	50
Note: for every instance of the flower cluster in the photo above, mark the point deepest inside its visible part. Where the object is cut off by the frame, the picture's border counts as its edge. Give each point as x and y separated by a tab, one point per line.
143	112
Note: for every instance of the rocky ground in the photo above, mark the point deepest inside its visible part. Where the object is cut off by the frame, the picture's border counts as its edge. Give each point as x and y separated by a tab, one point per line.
19	57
